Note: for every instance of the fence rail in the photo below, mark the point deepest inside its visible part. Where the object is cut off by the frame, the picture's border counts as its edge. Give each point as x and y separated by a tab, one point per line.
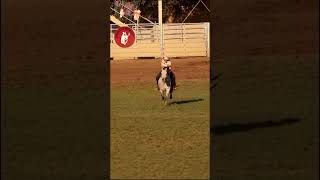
189	39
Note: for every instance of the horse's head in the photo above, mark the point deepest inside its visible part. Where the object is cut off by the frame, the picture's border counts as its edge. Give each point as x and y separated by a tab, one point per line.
124	38
164	73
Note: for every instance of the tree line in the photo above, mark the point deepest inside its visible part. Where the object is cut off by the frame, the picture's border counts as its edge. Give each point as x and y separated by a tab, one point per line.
174	11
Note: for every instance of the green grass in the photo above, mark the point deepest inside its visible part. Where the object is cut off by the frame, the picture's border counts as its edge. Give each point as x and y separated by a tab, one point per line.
151	140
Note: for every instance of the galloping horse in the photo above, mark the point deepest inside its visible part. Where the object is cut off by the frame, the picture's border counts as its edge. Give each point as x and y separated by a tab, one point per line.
164	84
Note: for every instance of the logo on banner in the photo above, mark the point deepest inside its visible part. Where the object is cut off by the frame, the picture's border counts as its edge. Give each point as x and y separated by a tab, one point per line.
124	37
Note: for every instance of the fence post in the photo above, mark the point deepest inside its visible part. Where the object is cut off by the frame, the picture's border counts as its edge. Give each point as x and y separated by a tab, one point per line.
208	39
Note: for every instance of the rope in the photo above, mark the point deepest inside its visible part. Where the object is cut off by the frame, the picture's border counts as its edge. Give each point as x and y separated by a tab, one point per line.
205	6
194	8
191	11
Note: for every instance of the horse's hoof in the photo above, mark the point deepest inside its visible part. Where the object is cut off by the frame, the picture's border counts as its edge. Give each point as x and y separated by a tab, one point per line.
170	96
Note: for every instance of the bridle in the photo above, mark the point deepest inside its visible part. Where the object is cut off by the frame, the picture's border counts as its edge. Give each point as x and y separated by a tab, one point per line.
165	68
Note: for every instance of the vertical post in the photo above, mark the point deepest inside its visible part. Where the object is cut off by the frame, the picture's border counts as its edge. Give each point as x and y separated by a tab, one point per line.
208	39
160	26
137	26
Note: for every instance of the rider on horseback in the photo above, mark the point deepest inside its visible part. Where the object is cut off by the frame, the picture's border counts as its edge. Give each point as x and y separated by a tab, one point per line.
166	63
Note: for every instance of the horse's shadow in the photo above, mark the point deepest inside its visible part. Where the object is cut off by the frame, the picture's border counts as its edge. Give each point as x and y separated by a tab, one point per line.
185	101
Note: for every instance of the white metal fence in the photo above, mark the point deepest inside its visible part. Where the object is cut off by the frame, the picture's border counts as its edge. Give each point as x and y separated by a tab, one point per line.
179	40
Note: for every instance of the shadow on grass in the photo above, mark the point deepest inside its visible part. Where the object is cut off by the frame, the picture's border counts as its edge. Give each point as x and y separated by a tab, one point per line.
185	101
237	127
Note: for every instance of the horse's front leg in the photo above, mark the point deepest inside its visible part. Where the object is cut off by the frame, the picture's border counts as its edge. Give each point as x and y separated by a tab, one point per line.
161	93
166	97
168	93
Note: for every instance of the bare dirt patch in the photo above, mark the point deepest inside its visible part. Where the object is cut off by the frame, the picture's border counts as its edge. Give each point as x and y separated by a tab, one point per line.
125	71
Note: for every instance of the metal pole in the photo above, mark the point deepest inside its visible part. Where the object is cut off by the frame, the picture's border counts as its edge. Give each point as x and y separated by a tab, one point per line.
160	26
137	31
208	39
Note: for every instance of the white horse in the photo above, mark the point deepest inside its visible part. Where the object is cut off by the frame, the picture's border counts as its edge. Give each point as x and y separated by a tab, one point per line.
164	84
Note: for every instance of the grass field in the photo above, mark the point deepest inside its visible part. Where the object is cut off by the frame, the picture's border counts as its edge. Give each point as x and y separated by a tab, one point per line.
151	140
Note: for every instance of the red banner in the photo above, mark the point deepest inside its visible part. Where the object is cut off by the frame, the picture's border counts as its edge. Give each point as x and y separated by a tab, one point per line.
124	37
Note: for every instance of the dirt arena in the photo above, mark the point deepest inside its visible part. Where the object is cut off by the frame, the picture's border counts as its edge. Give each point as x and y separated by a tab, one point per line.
125	71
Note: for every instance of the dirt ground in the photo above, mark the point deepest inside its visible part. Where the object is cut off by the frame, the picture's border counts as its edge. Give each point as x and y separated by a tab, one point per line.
124	71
